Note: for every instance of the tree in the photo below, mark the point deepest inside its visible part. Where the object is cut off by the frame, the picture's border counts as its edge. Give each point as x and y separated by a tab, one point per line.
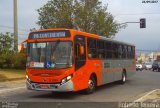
6	43
6	49
57	14
86	15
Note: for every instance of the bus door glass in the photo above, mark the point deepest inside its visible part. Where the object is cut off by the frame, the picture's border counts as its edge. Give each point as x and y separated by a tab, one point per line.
79	51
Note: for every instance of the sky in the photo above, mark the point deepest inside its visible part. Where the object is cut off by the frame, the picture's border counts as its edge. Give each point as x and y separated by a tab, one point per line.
122	10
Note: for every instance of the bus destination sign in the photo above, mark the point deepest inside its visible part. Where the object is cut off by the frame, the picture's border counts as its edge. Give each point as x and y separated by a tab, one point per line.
50	34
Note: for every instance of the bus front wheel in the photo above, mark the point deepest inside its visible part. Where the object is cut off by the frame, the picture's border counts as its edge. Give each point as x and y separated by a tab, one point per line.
91	85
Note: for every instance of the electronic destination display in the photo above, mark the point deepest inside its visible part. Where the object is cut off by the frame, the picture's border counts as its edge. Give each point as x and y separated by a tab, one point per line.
50	34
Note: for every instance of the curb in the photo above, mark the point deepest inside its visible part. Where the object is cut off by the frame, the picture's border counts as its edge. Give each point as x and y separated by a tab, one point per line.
12	79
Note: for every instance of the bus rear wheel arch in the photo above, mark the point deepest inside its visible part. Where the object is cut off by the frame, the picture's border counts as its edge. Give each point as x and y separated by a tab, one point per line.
92	84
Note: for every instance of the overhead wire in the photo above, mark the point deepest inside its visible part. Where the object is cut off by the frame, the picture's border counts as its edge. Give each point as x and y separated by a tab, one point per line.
137	14
9	27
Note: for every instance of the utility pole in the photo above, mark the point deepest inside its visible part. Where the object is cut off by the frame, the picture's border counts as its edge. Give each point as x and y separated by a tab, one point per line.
15	26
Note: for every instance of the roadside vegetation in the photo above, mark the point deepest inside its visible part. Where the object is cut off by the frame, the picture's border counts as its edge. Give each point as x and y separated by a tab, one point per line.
9	59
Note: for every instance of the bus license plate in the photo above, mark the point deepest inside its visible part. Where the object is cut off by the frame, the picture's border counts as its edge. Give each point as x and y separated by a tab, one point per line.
44	86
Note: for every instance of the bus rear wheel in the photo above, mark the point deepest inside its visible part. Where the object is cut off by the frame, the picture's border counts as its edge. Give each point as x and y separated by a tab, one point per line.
124	77
91	85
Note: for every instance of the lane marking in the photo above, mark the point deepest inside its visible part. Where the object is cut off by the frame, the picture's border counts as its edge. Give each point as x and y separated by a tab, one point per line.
141	98
11	89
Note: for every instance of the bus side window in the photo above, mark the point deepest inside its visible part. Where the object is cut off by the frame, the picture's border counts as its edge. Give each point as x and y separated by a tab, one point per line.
129	55
120	51
124	52
132	52
92	51
108	50
100	49
115	50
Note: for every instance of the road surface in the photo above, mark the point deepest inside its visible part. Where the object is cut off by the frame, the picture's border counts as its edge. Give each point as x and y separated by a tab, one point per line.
141	83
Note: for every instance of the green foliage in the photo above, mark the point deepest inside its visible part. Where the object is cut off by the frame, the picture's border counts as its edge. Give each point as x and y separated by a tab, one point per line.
15	60
86	15
56	14
9	58
19	60
6	43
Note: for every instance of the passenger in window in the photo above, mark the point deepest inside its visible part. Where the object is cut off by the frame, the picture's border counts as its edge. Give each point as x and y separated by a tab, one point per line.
89	55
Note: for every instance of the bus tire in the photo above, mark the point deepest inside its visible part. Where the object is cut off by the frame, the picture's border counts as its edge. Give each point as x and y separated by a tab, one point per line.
91	85
124	77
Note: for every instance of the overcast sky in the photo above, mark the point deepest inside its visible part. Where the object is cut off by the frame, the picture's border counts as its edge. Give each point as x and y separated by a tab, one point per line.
122	10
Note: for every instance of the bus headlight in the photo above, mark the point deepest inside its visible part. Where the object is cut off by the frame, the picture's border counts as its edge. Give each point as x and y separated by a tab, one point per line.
27	78
69	77
66	79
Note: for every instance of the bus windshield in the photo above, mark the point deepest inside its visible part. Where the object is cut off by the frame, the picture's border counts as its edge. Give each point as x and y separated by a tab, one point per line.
55	54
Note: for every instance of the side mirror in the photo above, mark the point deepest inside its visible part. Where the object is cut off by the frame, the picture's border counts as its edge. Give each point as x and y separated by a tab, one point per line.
81	48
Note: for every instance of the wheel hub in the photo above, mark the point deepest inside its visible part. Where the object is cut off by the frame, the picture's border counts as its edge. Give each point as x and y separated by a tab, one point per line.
90	84
124	78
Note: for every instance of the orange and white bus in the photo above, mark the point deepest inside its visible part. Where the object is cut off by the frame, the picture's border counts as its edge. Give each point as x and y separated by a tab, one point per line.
72	60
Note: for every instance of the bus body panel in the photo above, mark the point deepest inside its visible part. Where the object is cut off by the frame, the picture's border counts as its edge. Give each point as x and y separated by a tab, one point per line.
82	75
48	75
94	67
112	70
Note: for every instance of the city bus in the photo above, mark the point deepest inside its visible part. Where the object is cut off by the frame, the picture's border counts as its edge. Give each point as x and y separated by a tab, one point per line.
61	60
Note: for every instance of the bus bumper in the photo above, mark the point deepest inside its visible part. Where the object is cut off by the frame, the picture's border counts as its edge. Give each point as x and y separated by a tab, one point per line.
68	86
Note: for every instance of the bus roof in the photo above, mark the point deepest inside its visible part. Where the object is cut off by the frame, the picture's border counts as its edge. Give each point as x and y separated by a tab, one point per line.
117	41
84	33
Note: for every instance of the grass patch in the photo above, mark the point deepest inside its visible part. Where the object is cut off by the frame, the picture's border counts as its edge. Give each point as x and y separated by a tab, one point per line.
11	74
2	77
18	71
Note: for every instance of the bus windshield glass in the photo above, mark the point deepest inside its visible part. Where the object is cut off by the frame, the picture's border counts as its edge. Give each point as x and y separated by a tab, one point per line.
55	54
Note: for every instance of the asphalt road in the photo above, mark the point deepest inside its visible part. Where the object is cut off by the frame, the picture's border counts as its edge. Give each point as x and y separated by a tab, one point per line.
135	87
